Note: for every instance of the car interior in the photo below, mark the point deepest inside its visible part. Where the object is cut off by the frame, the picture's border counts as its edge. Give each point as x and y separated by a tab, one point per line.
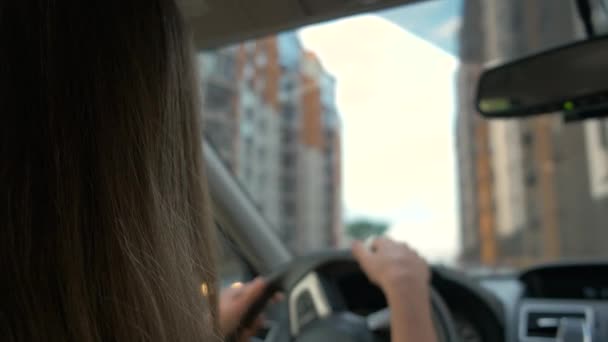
327	296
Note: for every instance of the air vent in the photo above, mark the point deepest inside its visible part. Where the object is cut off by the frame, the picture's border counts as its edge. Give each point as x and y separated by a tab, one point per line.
545	324
541	321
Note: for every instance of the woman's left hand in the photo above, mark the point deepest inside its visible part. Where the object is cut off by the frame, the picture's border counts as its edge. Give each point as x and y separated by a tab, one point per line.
234	303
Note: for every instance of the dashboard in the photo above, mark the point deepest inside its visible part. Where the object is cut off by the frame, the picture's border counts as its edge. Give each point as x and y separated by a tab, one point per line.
570	299
563	299
574	281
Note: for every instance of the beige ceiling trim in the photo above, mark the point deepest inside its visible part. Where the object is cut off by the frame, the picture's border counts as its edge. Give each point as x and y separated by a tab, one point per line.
220	22
193	8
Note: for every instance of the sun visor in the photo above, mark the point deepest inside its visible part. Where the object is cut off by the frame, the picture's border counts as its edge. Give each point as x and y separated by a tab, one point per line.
222	22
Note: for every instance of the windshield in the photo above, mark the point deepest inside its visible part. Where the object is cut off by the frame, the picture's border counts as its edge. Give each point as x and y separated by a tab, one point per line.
367	126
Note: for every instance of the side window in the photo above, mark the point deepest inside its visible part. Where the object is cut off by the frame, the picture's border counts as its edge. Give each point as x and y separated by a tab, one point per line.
232	267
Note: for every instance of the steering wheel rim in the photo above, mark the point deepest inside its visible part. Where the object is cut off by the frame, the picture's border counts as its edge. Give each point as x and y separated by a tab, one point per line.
303	276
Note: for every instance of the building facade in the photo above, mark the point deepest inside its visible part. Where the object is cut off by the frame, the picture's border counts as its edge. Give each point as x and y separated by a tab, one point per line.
276	127
534	189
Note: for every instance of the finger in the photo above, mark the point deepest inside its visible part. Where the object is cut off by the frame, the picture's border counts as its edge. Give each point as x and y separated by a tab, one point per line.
254	290
383	243
362	255
368	243
411	251
258	323
237	285
375	245
237	291
246	335
257	286
405	245
252	330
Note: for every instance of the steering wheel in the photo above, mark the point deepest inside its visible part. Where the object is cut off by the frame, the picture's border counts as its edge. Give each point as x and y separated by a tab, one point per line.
317	292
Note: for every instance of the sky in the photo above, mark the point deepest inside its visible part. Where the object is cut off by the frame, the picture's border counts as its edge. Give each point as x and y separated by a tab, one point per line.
437	21
395	94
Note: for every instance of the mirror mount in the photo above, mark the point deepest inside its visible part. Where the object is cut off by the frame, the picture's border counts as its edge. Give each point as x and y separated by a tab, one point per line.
584	10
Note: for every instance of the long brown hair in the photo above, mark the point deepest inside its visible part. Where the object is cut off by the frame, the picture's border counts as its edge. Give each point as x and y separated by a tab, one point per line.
105	232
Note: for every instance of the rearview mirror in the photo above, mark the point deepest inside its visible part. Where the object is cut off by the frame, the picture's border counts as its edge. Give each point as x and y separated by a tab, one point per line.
572	79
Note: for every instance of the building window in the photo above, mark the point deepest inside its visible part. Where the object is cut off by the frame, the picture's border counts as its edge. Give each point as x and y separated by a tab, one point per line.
531	179
288	113
286	137
227	65
261	59
535	223
248	71
329	172
287	85
604	133
288	159
289	209
259	85
249	113
288	185
248	173
527	138
247	131
249	46
249	142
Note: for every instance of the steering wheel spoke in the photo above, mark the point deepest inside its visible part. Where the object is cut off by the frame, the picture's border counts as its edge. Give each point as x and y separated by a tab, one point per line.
379	320
307	302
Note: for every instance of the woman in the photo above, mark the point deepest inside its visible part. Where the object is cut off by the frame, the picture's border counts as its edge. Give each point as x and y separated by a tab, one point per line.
105	225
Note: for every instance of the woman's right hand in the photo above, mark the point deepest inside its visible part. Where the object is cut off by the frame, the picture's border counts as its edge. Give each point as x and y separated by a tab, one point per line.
404	277
393	266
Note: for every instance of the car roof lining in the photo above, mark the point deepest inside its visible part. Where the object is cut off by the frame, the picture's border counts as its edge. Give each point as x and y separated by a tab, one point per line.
217	23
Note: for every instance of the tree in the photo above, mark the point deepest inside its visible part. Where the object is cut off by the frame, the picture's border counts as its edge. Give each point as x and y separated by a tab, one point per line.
363	228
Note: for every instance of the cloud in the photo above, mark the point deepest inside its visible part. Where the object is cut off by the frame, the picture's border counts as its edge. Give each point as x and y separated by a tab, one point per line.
448	29
395	93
